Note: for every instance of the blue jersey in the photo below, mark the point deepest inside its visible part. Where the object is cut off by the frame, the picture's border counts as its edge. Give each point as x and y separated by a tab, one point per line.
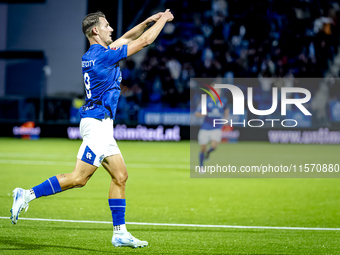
102	79
214	112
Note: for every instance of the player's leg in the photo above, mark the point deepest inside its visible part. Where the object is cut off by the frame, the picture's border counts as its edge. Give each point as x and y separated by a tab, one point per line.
115	166
202	151
78	178
213	146
216	137
203	140
88	160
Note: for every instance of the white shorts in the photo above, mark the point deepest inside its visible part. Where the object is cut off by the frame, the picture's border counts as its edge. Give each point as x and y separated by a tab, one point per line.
98	142
205	136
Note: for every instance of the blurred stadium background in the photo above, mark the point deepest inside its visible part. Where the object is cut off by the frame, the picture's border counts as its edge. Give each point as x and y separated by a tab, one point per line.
272	41
275	43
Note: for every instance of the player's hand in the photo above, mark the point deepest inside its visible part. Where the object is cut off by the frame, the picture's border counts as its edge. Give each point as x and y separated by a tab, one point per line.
168	15
155	17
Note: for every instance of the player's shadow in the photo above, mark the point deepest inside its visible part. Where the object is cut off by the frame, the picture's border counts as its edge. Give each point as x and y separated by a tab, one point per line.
22	246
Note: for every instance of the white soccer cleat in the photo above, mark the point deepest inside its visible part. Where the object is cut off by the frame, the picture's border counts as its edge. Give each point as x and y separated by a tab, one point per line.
125	239
19	204
202	170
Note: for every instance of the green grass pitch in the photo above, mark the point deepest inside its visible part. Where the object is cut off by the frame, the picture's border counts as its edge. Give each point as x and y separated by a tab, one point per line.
160	190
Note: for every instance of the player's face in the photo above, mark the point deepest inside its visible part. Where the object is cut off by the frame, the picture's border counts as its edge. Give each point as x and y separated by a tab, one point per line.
105	31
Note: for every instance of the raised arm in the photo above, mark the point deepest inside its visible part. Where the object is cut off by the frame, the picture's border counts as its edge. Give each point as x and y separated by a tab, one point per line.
150	35
136	31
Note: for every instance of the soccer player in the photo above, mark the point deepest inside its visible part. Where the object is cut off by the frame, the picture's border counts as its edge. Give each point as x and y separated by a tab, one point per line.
102	79
209	133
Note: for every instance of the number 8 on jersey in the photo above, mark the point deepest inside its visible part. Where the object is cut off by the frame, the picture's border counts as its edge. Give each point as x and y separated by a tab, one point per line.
87	85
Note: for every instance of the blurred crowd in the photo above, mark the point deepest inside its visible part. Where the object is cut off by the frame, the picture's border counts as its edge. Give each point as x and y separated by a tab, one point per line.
263	39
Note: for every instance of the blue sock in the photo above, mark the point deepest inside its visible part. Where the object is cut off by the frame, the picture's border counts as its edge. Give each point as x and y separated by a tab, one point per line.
201	158
117	207
49	187
211	149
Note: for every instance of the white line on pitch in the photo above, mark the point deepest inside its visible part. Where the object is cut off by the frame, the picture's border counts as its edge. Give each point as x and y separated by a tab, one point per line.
65	163
181	225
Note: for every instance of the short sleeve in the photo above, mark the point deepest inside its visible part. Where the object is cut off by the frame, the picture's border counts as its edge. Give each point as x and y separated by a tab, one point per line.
116	54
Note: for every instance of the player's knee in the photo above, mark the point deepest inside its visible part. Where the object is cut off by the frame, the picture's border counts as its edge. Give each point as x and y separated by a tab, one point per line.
120	179
79	182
